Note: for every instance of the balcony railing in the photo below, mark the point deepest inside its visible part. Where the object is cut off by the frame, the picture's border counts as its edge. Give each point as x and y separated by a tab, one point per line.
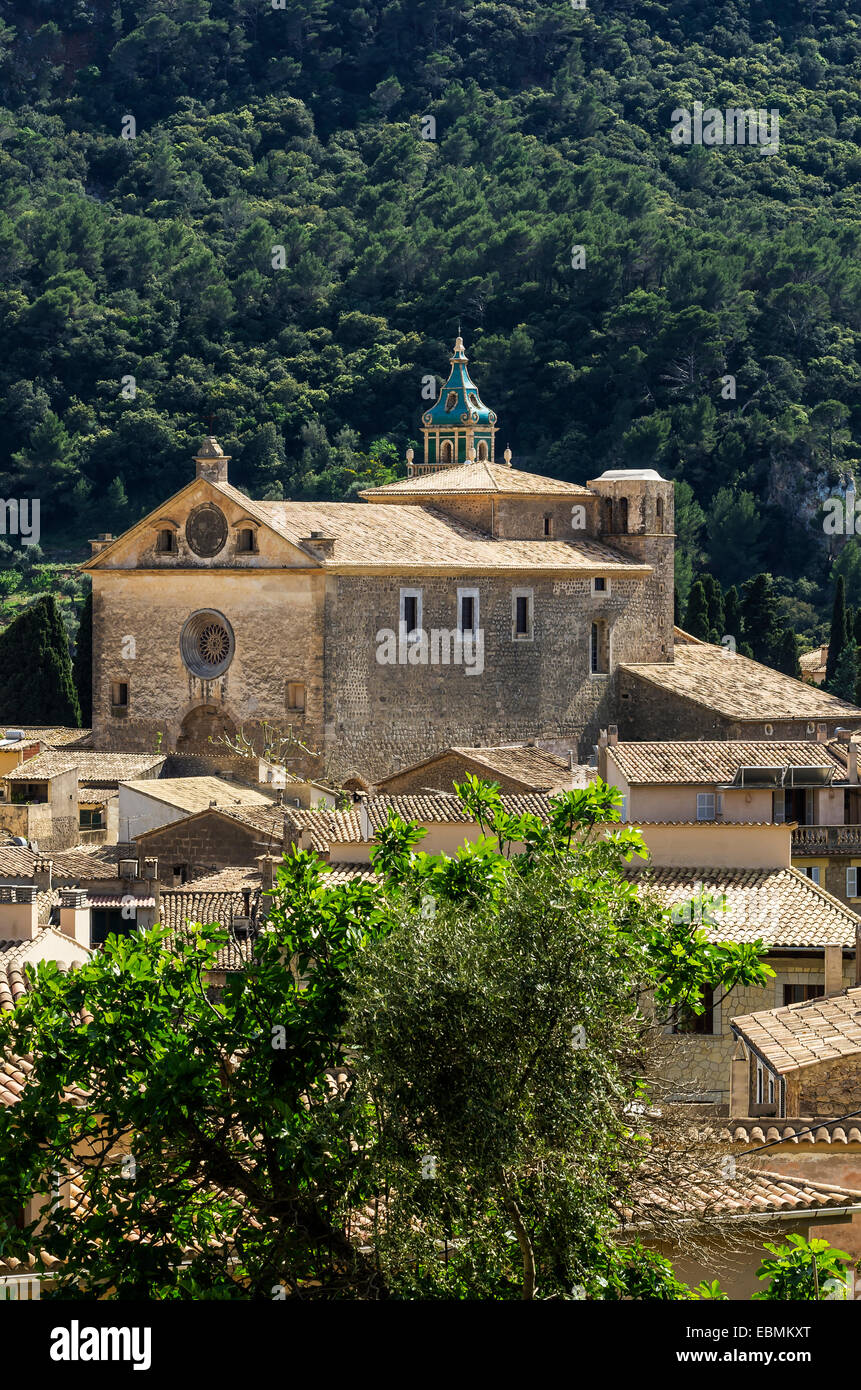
827	839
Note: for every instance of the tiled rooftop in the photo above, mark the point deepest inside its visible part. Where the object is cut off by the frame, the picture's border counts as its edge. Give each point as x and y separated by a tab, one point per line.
739	688
802	1035
92	767
756	1193
197	793
478	477
538	770
780	906
799	1132
425	539
715	761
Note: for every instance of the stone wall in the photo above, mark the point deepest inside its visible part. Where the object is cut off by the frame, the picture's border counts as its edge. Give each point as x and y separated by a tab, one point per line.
830	1088
204	844
699	1064
380	716
442	774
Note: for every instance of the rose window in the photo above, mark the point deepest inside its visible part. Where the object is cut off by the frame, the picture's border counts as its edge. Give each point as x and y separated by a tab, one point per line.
207	644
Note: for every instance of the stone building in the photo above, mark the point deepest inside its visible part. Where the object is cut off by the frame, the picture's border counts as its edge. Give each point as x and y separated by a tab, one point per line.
469	604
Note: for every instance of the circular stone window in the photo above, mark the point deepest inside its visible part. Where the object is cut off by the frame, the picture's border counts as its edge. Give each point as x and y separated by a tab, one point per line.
206	530
206	644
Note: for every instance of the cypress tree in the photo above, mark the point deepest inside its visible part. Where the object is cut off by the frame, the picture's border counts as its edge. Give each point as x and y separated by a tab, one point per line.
732	614
677	608
697	615
83	664
786	658
857	628
838	636
845	679
36	683
759	615
714	594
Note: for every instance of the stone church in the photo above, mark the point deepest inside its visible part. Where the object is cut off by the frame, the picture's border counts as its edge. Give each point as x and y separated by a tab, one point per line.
469	603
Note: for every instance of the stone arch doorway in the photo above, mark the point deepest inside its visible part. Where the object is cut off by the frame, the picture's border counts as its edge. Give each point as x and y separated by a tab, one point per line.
203	726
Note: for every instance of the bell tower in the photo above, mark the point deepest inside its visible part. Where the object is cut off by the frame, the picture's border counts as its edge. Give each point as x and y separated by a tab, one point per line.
459	427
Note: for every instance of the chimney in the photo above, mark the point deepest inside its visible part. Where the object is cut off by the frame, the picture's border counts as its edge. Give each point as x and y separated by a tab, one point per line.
843	735
42	873
149	872
100	543
833	969
128	869
211	463
852	751
320	543
821	733
19	913
570	759
612	735
267	864
75	915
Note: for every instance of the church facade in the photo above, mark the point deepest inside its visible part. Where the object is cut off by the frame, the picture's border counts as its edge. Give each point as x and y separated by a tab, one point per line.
469	603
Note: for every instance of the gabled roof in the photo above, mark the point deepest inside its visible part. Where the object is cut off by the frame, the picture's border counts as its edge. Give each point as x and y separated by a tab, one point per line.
424	540
197	793
92	767
477	479
536	769
715	761
803	1035
781	907
738	688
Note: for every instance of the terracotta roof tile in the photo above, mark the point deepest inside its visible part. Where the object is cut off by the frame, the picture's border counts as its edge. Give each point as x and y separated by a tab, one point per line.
715	761
92	767
739	688
537	769
478	477
780	906
812	1131
802	1035
754	1193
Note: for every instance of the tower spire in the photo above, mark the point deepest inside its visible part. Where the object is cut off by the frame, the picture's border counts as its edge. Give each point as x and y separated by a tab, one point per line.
459	427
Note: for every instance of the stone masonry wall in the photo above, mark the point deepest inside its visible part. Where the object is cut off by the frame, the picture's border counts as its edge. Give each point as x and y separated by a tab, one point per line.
380	717
831	1088
205	843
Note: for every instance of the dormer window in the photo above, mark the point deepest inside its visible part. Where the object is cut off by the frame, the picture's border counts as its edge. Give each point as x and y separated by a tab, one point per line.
166	542
451	401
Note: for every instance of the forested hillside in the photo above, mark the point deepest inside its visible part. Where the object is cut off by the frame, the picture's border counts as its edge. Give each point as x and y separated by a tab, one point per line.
152	257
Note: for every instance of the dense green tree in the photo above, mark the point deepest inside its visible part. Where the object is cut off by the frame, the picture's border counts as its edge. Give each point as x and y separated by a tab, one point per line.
36	682
697	613
845	679
759	616
233	1150
839	635
786	654
732	614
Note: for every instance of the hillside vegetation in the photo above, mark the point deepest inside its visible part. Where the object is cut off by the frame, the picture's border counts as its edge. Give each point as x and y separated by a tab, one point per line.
152	258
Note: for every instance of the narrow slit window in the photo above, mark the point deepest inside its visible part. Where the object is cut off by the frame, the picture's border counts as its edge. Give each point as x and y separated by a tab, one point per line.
119	694
548	525
245	542
295	695
166	542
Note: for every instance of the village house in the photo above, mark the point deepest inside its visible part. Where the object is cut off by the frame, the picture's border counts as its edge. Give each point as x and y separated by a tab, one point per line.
810	783
515	767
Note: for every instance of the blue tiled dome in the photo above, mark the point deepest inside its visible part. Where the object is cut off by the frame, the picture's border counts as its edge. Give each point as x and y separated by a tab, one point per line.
459	403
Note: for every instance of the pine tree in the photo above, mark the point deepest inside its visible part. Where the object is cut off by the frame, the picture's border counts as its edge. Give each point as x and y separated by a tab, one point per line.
83	664
786	656
845	679
36	683
697	615
732	614
838	636
759	615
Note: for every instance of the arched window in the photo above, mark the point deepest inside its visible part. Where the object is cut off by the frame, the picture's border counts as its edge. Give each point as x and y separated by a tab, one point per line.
245	541
659	514
166	542
623	515
446	454
482	451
